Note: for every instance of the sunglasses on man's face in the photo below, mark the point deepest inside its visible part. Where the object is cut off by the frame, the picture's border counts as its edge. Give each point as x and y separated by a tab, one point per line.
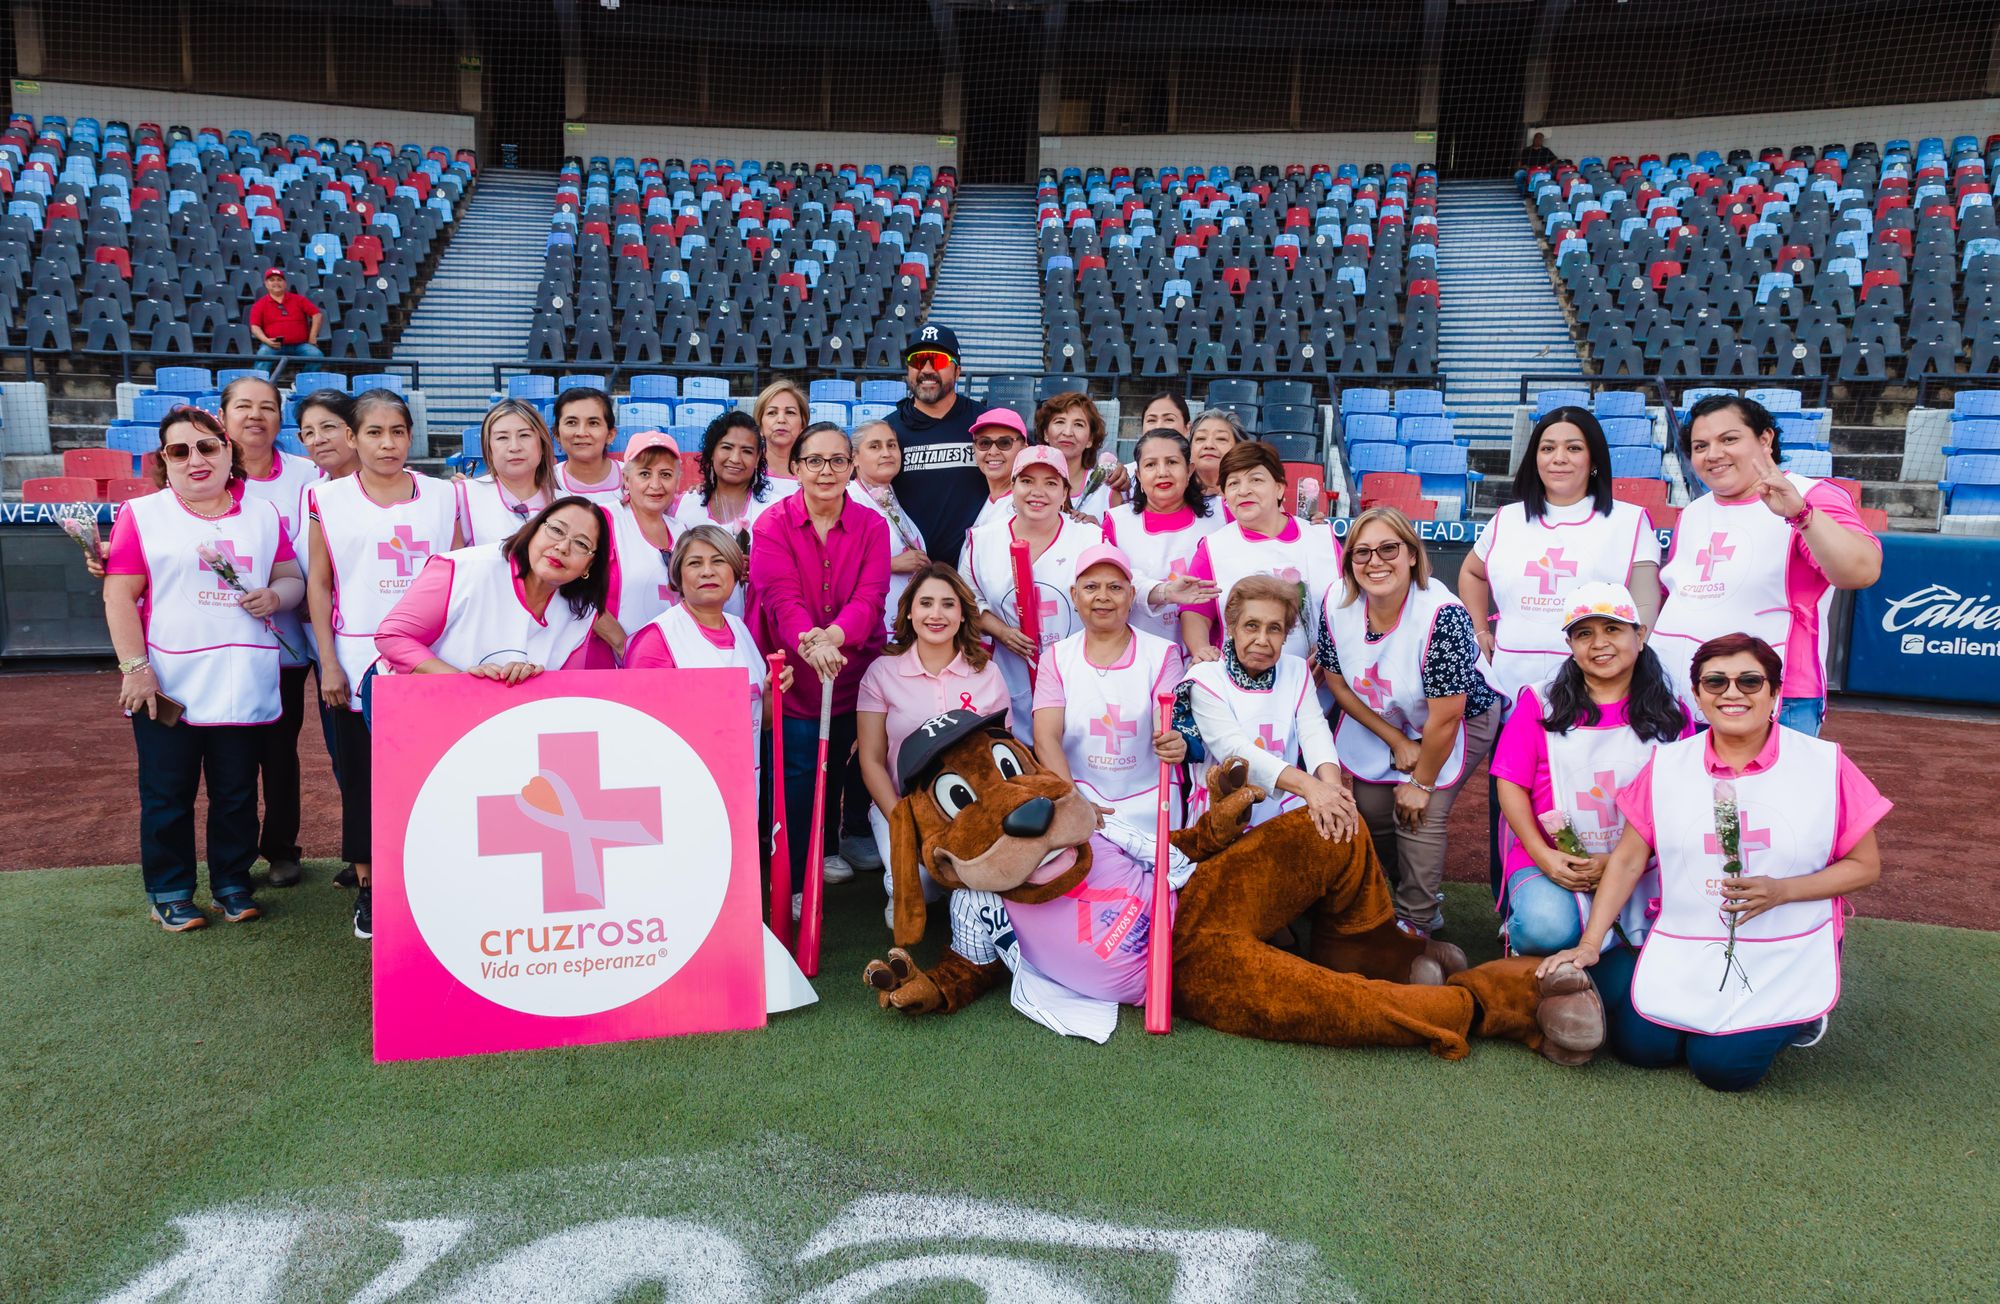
207	446
1750	683
934	361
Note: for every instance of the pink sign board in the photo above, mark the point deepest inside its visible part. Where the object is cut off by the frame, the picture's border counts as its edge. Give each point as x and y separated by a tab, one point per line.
569	861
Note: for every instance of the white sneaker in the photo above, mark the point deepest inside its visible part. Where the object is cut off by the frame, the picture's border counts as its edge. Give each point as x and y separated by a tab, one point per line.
836	870
1810	1034
860	853
798	906
889	916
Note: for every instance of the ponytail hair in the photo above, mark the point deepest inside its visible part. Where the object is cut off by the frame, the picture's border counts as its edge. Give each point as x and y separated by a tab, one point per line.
1652	709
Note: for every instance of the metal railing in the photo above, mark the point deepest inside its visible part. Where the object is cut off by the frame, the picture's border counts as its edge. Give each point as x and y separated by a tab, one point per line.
158	358
1952	384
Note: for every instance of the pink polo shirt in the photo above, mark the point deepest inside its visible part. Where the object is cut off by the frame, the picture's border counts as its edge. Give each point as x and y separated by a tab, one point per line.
1202	568
1857	806
1805	585
1521	757
906	694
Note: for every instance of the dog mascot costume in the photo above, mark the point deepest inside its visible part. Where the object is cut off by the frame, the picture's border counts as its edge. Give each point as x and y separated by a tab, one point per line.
1041	891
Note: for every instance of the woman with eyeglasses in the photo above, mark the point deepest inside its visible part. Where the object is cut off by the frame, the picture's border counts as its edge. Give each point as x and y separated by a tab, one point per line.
1744	955
1055	541
1569	746
780	413
252	416
1417	713
199	662
1760	553
520	475
1159	532
997	435
1564	531
819	575
1256	704
587	426
369	536
642	539
1263	538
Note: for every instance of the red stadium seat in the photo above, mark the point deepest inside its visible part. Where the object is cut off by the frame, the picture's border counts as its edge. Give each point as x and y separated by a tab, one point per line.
125	490
1640	493
59	489
100	464
119	258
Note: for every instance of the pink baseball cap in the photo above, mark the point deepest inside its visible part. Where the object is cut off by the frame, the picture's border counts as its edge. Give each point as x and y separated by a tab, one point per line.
646	439
1007	417
1041	455
1102	554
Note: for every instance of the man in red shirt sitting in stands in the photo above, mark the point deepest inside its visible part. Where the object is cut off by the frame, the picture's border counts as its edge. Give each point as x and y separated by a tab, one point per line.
284	325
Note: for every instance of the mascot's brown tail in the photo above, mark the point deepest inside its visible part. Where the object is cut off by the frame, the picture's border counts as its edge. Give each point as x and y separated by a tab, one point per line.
905	847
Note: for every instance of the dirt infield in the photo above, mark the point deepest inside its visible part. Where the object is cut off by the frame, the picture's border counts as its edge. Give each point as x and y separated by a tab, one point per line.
67	768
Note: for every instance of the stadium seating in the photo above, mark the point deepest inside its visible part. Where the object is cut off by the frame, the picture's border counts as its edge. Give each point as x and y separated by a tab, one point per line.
1869	264
1267	271
119	239
732	265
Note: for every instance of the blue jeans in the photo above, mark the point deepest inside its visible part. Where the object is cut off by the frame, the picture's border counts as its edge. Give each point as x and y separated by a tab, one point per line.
801	768
1805	714
1733	1061
289	351
173	761
1541	917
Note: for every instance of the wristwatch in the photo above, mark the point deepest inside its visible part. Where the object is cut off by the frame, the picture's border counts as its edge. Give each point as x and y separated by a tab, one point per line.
134	666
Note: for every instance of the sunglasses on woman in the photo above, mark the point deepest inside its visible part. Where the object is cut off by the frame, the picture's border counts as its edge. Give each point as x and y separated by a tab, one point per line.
1386	551
1750	683
207	446
1006	445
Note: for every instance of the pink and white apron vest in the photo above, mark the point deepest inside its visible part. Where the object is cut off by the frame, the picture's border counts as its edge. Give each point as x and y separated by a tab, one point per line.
1587	770
486	624
692	651
291	476
639	589
903	536
376	550
484	511
1312	560
1269	718
1790	955
208	654
1532	566
990	570
1389	677
1109	723
1156	559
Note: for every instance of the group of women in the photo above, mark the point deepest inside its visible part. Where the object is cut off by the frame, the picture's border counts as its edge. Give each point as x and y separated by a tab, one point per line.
1350	680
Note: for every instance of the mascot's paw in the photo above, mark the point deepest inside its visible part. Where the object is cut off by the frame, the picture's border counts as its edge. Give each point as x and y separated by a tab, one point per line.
1230	797
900	985
1439	961
1570	1014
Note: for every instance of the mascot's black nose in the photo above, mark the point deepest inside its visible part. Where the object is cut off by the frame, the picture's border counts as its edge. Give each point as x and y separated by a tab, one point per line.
1030	819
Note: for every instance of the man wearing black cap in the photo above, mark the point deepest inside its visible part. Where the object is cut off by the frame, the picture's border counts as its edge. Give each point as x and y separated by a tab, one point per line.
940	486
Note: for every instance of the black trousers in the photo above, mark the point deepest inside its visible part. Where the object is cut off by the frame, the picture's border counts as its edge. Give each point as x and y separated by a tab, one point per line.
173	761
357	777
278	766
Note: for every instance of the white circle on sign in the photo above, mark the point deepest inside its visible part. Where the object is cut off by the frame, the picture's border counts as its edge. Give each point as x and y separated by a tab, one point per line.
487	918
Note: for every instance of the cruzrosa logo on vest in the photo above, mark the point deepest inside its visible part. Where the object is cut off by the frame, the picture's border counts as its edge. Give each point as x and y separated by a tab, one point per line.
536	863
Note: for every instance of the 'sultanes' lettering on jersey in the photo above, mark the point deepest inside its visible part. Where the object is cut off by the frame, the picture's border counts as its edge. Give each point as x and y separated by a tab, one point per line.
932	457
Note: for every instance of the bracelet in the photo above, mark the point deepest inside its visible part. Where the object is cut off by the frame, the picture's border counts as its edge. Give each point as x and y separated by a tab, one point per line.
1420	786
1802	520
134	666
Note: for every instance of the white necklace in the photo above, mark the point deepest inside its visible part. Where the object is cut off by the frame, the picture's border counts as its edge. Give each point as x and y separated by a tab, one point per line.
192	510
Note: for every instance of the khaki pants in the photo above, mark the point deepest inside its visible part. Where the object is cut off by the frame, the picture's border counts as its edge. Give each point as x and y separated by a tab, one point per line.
1414	858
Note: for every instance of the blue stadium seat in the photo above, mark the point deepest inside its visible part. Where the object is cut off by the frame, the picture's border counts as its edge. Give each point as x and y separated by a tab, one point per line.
1364	400
1363	427
883	391
531	387
132	439
388	380
182	380
705	387
835	390
697	414
1974	437
1628	431
1971	486
828	411
1444	472
645	416
1619	403
1425	430
306	382
1975	404
1419	403
1797	430
864	412
1635	462
584	380
1816	462
1777	400
151	409
1363	458
655	387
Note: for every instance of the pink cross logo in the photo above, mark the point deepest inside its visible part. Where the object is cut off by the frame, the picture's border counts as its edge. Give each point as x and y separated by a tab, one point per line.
1178	567
1114	729
667	594
1267	738
1600	799
1125	912
237	562
1748	841
1716	551
1374	687
1548	568
566	818
404	548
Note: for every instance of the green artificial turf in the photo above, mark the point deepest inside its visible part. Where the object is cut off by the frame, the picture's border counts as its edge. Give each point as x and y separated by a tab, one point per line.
149	1076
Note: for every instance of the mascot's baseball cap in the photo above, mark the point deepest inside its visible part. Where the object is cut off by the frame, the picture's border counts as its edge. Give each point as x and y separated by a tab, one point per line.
1102	554
934	737
1041	455
1599	598
930	338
